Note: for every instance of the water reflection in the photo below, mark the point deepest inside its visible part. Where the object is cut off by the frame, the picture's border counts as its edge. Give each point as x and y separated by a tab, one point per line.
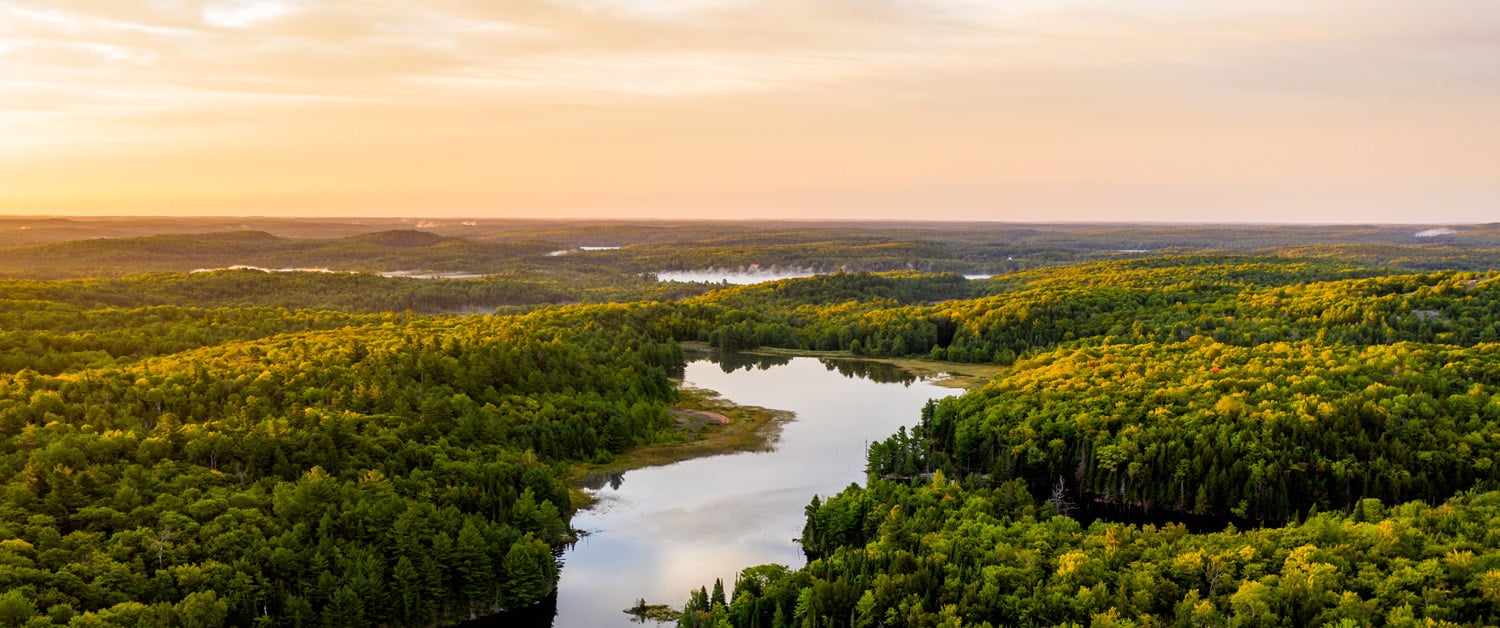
730	362
541	614
879	372
598	481
675	528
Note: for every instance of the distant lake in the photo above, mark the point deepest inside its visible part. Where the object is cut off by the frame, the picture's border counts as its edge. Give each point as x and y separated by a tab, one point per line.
659	532
268	270
735	276
424	274
409	274
745	276
562	252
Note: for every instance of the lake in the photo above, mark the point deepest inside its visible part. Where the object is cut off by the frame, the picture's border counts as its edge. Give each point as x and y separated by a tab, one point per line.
659	532
740	276
744	276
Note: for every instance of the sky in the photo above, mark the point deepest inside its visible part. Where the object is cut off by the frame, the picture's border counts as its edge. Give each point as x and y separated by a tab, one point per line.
1334	111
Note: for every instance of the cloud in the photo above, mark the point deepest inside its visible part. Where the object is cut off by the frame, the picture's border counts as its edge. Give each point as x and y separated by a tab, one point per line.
670	100
651	47
242	13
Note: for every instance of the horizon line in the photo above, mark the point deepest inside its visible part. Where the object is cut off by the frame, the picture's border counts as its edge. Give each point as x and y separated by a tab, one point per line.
744	220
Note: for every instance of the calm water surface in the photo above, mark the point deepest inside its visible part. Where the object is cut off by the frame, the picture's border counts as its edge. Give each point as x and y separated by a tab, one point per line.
737	277
657	533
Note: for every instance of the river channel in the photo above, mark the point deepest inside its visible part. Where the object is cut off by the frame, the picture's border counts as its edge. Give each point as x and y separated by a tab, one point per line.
657	533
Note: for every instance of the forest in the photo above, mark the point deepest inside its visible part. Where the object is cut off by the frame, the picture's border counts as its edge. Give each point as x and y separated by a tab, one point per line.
241	447
296	478
1337	421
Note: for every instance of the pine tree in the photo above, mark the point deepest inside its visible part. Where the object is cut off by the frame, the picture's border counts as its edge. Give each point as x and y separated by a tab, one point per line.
408	584
528	572
476	574
718	594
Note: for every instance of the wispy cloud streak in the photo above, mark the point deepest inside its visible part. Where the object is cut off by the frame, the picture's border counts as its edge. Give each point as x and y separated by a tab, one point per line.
1070	108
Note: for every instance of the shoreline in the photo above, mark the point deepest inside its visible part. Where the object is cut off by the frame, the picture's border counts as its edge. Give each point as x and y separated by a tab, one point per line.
963	375
707	424
710	425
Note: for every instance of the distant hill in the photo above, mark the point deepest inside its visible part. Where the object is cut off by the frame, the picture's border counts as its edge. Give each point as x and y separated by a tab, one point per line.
106	247
402	250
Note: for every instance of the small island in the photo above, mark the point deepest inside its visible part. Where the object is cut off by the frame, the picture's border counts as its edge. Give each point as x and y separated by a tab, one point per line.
660	613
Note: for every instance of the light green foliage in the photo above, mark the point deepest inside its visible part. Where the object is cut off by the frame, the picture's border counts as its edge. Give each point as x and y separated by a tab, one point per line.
976	553
1309	397
16	608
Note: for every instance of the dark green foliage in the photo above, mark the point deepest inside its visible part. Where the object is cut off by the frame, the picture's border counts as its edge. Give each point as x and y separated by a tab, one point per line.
305	476
1264	432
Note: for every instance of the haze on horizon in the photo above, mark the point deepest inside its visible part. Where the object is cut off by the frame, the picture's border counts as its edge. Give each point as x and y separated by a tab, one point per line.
1024	110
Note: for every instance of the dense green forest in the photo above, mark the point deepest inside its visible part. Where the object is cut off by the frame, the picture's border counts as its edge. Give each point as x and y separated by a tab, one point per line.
302	477
1347	416
243	447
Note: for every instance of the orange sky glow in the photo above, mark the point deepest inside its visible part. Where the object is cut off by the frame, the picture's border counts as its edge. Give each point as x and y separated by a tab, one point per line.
1016	110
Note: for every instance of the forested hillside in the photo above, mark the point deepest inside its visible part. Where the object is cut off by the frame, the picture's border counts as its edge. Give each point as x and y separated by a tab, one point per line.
1346	415
243	447
1240	301
387	470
